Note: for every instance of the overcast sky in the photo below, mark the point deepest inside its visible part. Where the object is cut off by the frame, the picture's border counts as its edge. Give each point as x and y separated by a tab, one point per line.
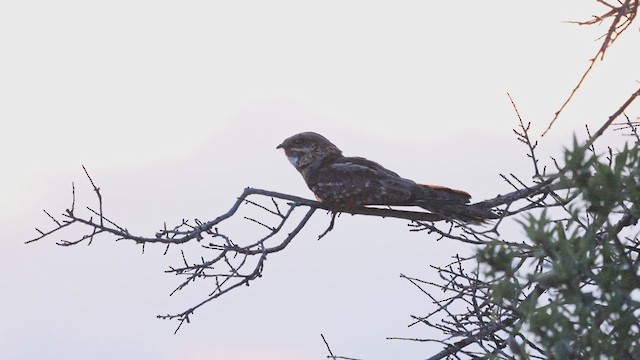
176	107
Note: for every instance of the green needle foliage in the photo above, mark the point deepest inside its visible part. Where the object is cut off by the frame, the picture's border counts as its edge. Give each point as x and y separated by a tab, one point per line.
574	284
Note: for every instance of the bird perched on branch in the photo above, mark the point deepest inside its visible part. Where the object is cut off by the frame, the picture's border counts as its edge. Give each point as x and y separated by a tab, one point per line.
354	181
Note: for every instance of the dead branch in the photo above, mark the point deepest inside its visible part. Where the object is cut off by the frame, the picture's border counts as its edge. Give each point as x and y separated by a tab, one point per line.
228	263
621	18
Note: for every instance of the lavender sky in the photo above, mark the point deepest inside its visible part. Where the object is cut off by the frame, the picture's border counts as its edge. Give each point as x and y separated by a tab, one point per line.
175	107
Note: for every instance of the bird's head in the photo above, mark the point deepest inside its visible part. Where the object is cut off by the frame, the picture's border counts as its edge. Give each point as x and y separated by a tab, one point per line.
307	148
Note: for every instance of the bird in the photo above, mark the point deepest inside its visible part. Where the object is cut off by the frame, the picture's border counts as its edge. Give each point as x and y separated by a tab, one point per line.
348	182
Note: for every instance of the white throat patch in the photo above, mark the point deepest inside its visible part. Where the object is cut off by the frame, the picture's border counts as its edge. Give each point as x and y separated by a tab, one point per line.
293	160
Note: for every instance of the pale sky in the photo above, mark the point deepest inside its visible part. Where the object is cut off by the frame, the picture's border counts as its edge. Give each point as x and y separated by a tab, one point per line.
176	107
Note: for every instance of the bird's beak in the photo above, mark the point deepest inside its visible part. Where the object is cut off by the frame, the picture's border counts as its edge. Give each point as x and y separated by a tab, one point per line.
280	146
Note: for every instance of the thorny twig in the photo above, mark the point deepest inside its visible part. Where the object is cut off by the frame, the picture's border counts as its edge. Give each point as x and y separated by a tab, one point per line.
523	136
631	126
331	356
621	18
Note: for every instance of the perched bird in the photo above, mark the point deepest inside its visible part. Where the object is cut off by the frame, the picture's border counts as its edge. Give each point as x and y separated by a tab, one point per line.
354	181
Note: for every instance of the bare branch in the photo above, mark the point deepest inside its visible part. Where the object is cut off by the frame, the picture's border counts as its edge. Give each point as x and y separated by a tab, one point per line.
331	356
623	16
97	191
523	136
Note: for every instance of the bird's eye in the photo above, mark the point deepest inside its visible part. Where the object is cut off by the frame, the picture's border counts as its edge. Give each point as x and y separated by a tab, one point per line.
298	141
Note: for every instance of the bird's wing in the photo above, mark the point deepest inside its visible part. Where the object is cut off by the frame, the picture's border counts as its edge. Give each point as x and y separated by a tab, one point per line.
435	193
358	181
406	192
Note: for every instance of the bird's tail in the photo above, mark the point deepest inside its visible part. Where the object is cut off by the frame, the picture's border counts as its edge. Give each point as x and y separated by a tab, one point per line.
453	195
452	204
465	213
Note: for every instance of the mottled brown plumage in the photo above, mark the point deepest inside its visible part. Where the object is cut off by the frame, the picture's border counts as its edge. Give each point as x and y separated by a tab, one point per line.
355	181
